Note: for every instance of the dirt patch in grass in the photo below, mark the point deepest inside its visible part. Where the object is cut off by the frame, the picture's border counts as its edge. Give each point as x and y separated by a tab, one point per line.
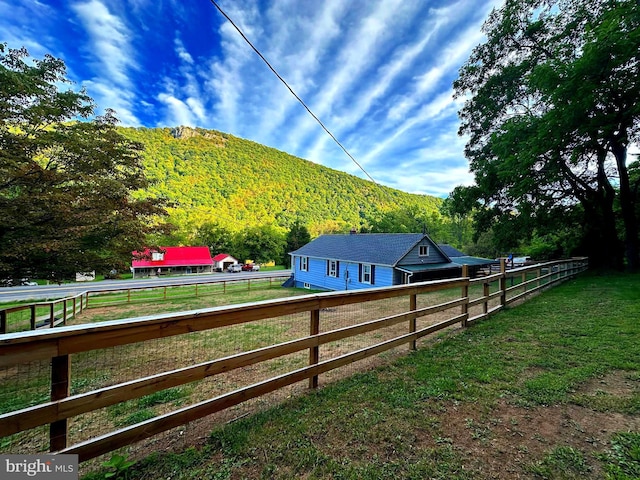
502	441
618	383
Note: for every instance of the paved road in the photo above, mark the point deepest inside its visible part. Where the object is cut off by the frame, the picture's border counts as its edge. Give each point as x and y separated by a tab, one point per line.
47	292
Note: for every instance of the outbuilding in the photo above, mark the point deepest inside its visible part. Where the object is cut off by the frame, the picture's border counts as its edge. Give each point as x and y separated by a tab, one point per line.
222	261
173	261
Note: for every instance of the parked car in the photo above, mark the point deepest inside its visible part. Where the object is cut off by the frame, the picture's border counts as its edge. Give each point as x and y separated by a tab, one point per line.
251	267
234	268
10	282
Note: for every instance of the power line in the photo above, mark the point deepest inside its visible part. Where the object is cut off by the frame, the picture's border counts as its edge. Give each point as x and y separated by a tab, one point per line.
291	90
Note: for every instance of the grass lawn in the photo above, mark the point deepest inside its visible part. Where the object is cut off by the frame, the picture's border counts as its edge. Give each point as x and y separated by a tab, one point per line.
549	389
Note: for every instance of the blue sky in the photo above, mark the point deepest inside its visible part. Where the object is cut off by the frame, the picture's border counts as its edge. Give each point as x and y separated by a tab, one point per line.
377	73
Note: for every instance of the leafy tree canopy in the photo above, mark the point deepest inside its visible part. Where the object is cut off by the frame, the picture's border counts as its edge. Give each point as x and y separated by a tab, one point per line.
553	106
237	184
261	244
297	237
71	192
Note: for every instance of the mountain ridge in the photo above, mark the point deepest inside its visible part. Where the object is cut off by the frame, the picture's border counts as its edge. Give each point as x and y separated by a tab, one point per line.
216	177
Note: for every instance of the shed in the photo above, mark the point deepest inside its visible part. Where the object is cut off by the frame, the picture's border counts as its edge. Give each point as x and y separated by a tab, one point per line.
222	261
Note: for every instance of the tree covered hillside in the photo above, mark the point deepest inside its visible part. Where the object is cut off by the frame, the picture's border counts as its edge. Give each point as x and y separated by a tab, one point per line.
236	183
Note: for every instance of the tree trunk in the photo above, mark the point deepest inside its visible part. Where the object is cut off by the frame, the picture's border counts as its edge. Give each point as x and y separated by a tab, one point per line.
627	207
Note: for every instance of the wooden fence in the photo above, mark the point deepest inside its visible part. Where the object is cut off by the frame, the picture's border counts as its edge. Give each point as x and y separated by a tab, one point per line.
42	314
56	313
56	404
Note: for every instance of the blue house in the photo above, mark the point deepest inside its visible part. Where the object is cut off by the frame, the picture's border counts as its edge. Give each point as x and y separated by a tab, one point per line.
356	261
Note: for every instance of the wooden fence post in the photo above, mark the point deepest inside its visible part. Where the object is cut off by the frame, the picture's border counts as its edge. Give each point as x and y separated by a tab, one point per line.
52	314
64	312
60	388
485	293
465	294
314	352
33	317
503	282
413	305
3	321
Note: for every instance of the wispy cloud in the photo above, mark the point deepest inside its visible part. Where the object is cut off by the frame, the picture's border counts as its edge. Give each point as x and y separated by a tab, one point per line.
378	74
111	56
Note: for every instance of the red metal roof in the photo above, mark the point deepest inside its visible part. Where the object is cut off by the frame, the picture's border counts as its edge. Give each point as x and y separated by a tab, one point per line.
177	257
221	256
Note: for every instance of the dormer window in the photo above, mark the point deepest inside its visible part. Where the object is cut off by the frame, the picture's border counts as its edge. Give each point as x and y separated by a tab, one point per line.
423	251
157	256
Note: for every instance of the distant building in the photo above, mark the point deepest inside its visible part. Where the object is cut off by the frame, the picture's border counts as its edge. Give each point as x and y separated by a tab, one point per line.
222	261
356	261
172	260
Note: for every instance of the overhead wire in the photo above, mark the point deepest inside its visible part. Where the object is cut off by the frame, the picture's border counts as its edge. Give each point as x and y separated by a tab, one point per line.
291	90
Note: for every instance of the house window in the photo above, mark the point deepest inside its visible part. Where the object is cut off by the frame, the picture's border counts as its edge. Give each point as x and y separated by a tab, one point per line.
424	251
332	268
157	256
307	285
304	264
366	273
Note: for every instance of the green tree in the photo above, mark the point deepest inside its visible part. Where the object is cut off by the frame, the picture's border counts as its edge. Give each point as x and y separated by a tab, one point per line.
553	106
262	244
214	236
460	227
297	237
71	192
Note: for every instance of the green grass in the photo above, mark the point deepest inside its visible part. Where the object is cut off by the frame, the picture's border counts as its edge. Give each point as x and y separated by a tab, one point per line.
399	421
563	462
134	411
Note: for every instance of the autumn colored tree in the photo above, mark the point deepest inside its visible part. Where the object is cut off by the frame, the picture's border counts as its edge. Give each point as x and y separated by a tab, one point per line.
72	189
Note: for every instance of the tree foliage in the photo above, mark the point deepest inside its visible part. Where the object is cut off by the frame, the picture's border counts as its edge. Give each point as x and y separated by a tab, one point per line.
261	244
238	184
553	107
297	237
71	192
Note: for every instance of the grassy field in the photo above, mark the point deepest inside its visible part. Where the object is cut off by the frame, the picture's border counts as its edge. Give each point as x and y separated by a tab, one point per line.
549	389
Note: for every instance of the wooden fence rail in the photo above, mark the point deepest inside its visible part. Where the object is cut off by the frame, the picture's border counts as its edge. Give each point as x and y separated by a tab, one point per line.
454	301
57	312
43	314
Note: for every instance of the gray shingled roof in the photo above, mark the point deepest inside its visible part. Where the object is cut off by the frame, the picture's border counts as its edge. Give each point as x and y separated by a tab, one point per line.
376	248
450	251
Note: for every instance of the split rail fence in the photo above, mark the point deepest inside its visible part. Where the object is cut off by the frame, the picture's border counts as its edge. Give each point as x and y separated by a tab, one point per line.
92	389
56	313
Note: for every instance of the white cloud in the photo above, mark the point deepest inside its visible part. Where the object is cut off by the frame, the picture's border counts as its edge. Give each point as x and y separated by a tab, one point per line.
182	53
111	58
180	113
110	41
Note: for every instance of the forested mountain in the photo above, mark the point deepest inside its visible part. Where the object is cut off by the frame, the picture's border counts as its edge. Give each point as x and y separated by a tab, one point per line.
236	183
